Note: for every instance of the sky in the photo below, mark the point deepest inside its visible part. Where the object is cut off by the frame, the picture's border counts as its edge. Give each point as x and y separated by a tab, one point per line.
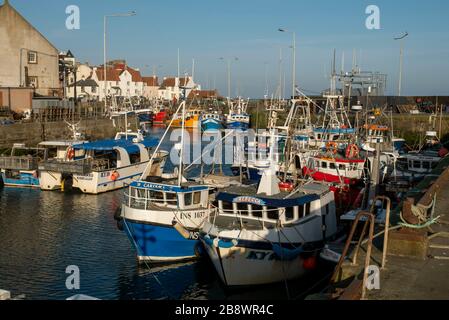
207	30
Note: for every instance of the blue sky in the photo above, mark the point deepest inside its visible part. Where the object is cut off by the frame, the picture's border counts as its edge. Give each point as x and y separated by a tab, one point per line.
209	29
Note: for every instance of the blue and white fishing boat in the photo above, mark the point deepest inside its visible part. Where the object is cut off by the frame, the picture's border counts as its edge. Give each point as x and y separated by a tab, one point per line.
112	164
260	235
20	167
162	216
238	118
211	122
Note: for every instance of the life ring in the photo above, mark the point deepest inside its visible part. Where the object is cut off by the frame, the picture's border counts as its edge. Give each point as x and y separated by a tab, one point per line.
70	153
352	151
332	146
115	175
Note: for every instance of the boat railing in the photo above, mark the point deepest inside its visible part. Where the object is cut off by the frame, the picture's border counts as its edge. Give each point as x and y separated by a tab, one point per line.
19	163
82	167
241	215
141	199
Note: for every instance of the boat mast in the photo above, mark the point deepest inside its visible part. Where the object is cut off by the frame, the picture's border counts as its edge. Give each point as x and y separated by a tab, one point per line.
181	153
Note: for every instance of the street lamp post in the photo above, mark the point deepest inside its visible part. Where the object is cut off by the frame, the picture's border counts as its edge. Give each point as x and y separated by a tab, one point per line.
294	61
401	57
129	14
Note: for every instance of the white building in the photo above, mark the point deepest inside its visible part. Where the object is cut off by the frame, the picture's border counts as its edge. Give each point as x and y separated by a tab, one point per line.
171	87
151	87
121	80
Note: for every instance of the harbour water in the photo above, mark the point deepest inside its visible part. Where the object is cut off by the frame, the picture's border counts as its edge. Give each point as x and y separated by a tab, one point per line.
42	233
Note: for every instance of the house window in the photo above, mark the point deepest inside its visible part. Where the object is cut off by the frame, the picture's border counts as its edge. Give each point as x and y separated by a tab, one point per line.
32	57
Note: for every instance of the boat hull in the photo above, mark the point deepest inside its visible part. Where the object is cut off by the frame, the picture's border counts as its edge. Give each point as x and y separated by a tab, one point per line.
157	243
193	122
237	125
240	266
24	180
327	177
50	181
211	125
156	239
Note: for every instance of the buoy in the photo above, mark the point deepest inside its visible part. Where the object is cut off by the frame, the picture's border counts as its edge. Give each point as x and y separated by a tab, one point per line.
443	152
115	175
352	151
70	154
332	146
309	263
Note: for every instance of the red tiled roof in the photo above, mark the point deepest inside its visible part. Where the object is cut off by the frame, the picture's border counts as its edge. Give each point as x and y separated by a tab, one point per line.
136	76
171	82
203	94
151	81
111	74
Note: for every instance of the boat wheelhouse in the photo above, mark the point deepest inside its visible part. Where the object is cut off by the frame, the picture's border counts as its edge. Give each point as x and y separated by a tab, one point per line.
49	176
260	237
335	169
322	136
163	219
112	164
211	122
414	166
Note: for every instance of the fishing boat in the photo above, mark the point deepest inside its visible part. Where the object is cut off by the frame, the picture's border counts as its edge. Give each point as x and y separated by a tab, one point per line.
20	167
211	122
190	120
104	165
160	117
287	143
162	216
262	235
238	118
113	164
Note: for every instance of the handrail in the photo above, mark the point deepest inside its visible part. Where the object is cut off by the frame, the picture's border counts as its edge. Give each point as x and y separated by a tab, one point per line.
371	221
387	225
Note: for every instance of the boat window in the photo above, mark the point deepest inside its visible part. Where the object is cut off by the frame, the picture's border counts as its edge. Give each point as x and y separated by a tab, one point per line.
272	213
426	165
141	193
156	195
289	213
332	165
196	197
242	209
134	158
188	199
324	165
417	164
301	212
257	211
228	207
308	206
171	198
342	167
